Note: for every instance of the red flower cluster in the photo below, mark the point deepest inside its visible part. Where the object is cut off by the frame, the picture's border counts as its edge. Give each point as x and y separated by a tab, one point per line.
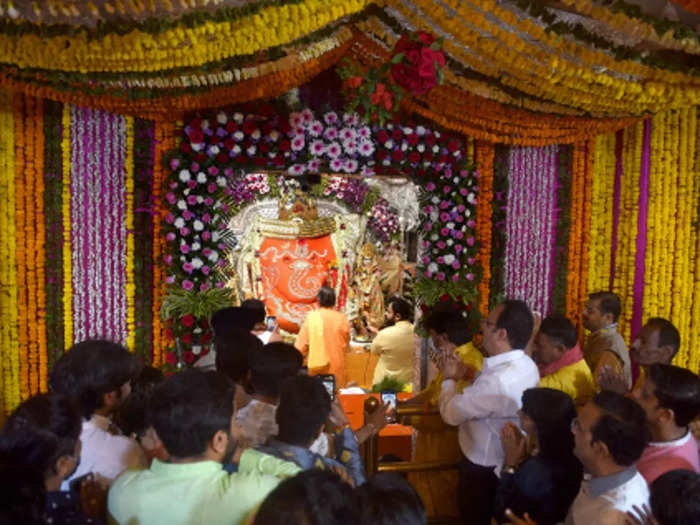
417	71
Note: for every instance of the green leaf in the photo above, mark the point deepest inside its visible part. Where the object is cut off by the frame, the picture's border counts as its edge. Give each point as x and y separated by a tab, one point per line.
398	57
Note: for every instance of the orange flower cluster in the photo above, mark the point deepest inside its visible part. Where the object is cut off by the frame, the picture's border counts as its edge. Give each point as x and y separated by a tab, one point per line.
262	87
165	131
30	238
689	5
484	164
579	235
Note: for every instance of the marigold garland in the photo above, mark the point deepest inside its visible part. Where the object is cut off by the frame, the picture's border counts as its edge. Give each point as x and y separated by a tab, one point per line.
602	183
9	310
129	218
484	156
176	47
165	135
67	230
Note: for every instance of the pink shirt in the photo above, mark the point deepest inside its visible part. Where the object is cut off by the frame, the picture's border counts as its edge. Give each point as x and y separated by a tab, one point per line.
659	458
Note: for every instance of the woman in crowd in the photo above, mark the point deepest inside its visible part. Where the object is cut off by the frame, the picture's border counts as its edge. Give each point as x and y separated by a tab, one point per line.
545	481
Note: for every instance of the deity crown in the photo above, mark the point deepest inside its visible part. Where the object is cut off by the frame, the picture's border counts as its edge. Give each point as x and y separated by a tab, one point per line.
297	205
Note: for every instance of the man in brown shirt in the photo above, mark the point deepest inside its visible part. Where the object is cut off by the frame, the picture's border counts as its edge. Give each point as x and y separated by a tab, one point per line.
604	346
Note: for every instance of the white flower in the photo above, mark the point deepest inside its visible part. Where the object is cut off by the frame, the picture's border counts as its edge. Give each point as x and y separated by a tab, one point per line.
434	237
471	198
215	236
436	148
449	258
450	225
238	117
467	212
274	135
435	200
221	117
238	136
184	175
198	225
434	216
420	131
432	267
181	204
256	134
195	246
179	222
236	149
221	181
389	144
201	177
197	263
404	146
455	180
197	147
420	148
196	349
407	130
437	134
213	256
449	242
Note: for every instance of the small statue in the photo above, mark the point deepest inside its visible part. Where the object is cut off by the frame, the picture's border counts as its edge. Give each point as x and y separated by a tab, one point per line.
367	292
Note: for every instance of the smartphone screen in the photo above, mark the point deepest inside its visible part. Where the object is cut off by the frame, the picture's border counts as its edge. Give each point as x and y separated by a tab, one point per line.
389	397
329	383
271	322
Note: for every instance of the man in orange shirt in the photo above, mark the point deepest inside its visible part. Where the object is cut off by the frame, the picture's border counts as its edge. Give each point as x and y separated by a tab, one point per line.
324	338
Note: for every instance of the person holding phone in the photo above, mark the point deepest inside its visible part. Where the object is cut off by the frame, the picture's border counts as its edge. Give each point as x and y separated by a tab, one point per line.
394	344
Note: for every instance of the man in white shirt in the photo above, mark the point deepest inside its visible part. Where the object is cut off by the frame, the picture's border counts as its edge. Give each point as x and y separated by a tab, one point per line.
97	375
610	434
483	408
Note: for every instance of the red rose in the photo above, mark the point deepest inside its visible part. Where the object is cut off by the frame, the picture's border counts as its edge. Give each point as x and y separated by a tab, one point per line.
421	173
196	136
414	57
397	155
425	38
195	123
405	77
169	333
412	139
206	338
444	298
186	338
426	70
427	156
279	160
264	147
188	357
382	154
171	358
229	144
231	126
200	157
241	159
187	320
430	139
222	158
265	110
442	158
452	146
414	157
259	161
403	44
248	127
285	145
284	126
396	134
382	137
204	324
185	147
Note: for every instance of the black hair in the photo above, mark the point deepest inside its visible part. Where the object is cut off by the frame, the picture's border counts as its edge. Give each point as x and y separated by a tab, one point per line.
188	408
668	334
622	427
22	494
451	323
675	497
552	411
401	307
272	365
677	389
326	297
234	352
517	320
303	408
40	431
92	368
312	497
388	499
132	416
559	330
256	306
228	320
608	303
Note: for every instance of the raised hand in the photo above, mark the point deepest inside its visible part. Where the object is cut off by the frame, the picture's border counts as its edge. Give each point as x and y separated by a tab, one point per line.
609	380
514	445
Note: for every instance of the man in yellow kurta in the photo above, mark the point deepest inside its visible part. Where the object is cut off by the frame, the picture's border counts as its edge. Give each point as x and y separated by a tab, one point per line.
604	346
324	338
560	360
394	344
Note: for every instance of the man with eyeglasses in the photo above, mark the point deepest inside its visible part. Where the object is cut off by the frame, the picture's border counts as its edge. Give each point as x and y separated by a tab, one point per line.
610	434
483	408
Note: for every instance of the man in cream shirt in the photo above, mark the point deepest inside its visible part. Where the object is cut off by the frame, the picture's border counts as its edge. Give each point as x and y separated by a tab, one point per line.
395	343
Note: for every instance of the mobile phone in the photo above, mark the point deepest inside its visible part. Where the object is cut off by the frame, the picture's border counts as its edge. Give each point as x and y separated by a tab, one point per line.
329	383
271	322
389	397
